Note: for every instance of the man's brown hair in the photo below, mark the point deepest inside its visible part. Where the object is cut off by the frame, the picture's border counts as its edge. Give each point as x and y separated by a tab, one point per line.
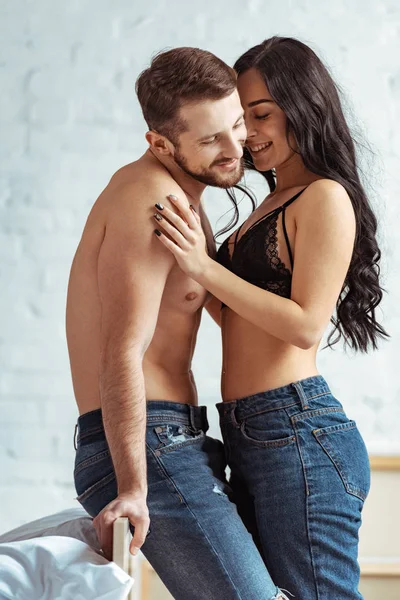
180	76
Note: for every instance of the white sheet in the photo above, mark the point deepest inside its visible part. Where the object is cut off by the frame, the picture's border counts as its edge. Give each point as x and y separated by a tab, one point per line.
58	568
73	522
58	557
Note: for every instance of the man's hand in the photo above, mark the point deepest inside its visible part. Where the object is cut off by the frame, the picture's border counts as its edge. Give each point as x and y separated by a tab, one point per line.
130	505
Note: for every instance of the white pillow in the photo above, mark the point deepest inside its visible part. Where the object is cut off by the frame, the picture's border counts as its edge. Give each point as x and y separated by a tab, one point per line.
59	568
73	522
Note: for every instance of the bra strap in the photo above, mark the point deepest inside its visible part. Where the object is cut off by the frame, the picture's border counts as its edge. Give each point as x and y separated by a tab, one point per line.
289	202
284	206
287	238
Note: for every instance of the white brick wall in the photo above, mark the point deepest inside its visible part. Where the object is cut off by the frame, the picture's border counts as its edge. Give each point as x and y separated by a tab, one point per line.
69	118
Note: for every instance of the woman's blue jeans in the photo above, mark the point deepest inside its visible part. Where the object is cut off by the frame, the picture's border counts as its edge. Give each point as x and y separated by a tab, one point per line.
300	475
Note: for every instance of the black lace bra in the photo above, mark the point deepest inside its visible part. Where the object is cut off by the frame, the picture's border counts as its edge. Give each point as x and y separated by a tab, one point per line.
255	255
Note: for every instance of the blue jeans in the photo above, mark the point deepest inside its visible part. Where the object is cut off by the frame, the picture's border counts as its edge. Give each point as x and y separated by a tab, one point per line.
197	544
300	475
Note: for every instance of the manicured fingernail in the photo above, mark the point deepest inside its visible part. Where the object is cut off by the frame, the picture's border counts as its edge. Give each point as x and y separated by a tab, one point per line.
158	217
134	551
157	232
159	206
193	208
172	197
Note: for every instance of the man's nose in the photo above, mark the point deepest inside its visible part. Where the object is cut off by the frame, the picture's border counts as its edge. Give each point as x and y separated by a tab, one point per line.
234	148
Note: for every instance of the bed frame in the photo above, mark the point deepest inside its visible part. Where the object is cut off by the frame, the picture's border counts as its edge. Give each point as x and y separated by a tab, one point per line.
145	585
121	555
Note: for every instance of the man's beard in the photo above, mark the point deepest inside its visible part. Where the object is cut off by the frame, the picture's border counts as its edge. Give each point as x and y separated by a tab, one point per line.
208	176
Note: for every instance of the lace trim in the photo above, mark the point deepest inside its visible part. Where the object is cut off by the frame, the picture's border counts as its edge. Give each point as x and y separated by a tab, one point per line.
247	258
271	248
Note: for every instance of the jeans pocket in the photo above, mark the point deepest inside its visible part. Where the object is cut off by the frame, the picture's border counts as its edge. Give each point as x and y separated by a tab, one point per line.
82	461
95	497
93	471
257	438
346	449
173	436
268	429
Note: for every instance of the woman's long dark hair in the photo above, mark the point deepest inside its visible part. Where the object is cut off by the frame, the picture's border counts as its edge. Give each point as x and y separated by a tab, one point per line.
302	87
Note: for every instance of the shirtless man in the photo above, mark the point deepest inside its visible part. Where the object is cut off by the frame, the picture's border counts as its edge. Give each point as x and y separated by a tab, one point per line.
132	320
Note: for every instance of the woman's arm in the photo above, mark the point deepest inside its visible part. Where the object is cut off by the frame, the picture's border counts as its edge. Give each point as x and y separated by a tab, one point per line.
213	307
325	231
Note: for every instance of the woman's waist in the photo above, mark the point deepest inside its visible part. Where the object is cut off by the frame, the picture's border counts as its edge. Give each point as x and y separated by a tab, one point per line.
250	367
251	381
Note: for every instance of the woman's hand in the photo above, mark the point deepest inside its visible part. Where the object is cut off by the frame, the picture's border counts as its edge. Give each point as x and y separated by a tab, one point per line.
185	237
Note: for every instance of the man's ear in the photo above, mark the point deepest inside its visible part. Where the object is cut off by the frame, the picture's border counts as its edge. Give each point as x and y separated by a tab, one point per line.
159	143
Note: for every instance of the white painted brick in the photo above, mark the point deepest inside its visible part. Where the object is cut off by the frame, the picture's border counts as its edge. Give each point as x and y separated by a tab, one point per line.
20	504
34	382
30	472
18	221
10	245
34	357
70	118
49	247
44	443
28	411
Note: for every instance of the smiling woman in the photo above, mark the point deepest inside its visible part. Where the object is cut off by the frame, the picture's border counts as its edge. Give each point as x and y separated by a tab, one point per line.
307	255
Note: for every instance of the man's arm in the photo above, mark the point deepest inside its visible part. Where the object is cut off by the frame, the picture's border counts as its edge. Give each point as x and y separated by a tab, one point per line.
132	271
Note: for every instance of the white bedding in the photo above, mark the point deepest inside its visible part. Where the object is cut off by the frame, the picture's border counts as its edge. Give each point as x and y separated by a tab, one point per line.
51	559
73	522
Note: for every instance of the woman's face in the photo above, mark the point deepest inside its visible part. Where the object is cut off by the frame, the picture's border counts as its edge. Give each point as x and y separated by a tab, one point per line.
265	122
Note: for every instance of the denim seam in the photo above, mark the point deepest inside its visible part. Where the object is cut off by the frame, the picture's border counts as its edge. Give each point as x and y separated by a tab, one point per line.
96	486
167	418
274	409
334	428
302	462
310	543
184	501
313	413
268	443
309	537
87	432
172	447
240	597
319	395
91	460
332	456
163	471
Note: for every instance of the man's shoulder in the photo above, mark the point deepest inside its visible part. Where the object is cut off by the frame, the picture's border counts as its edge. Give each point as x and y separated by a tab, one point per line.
139	184
128	204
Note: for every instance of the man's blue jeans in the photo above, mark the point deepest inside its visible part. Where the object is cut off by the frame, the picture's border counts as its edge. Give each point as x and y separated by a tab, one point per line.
197	544
300	475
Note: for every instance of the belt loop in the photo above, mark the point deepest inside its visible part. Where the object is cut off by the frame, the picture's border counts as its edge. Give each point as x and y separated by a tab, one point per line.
192	417
75	432
204	419
301	394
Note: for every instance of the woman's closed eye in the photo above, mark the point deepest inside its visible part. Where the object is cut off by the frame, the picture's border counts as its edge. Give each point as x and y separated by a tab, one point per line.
262	116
